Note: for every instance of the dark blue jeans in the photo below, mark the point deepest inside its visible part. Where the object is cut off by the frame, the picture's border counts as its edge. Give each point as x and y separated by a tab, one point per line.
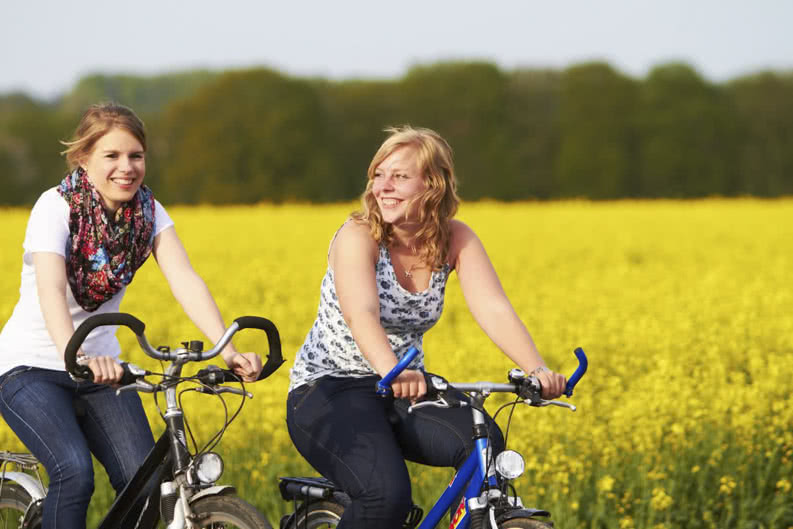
360	441
62	423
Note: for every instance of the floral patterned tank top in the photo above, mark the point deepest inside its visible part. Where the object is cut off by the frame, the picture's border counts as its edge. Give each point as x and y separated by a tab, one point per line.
329	348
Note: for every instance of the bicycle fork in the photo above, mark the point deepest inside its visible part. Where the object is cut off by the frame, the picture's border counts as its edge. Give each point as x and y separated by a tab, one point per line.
178	494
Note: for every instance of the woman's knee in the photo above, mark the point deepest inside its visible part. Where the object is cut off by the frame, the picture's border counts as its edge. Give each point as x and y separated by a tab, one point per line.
390	500
75	472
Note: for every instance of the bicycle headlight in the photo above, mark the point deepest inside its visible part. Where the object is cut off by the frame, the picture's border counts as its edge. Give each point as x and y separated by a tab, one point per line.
510	464
208	467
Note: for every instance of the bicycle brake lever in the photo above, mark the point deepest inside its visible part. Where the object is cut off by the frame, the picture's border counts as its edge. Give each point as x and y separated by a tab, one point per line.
440	403
559	403
214	390
138	385
236	391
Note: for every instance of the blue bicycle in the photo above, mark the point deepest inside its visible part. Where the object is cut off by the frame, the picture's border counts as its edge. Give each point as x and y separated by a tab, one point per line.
488	498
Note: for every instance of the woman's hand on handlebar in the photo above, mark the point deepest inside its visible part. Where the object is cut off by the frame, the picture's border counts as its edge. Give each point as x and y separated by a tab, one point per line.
553	384
246	365
106	369
410	384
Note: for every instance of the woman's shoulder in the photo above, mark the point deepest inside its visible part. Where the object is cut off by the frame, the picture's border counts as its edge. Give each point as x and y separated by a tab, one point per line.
355	230
460	232
459	228
460	235
52	195
353	237
50	203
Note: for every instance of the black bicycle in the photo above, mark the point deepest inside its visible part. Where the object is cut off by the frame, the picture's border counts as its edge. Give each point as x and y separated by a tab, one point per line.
186	493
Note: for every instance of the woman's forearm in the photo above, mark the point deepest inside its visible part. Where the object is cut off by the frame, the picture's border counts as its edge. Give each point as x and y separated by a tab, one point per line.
192	293
371	339
503	326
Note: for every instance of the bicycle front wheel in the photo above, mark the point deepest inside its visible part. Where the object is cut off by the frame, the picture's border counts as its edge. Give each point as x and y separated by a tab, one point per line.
319	515
14	501
228	512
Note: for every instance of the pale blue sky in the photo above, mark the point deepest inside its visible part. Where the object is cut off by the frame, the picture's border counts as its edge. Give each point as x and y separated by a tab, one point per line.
47	45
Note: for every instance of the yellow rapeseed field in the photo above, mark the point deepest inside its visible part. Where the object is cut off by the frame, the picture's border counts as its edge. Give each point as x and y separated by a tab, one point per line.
685	309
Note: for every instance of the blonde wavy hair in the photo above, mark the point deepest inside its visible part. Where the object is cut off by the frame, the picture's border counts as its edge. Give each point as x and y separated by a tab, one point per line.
436	205
98	120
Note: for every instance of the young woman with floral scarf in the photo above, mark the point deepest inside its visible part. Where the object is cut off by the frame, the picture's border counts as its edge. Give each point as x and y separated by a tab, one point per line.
84	242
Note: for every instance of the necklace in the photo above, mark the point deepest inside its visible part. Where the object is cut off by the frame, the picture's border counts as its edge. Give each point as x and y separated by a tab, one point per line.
414	266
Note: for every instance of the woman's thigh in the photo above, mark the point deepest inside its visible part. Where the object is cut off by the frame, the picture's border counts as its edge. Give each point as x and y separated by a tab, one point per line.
440	436
116	429
38	406
342	428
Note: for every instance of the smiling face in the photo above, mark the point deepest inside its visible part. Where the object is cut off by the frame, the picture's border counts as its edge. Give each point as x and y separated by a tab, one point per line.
397	180
116	166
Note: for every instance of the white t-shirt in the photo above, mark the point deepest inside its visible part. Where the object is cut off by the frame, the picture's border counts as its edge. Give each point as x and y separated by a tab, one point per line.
25	339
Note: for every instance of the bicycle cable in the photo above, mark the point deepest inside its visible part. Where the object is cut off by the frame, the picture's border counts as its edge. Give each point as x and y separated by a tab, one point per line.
215	439
509	419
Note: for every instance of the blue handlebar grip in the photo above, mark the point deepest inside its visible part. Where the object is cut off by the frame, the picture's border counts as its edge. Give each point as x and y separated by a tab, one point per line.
384	384
579	372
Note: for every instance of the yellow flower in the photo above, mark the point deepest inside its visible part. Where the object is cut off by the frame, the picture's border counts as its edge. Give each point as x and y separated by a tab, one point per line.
605	484
727	485
626	523
660	501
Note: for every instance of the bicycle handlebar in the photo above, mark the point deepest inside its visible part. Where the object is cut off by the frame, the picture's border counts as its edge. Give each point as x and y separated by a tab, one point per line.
583	364
384	385
91	323
274	358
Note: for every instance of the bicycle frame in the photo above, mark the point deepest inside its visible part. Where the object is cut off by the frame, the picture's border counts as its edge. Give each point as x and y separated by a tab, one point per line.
469	477
169	448
166	467
473	472
171	482
124	501
477	472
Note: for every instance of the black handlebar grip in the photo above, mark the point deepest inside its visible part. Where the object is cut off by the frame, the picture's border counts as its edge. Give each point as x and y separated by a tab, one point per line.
274	359
214	375
127	378
91	323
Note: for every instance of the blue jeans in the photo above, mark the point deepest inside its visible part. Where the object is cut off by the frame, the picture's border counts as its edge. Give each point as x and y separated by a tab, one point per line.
360	441
62	422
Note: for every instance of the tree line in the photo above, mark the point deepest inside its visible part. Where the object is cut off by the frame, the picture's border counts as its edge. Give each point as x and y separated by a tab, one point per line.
254	135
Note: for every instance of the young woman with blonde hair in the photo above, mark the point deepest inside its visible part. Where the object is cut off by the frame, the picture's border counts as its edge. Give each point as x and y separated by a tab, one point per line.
383	289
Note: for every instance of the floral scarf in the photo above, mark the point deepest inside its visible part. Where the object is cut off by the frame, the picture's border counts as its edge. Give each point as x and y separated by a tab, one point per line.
102	256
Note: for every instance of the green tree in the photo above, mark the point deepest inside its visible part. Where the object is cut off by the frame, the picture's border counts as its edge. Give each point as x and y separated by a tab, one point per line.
466	103
29	150
764	107
147	95
249	136
356	114
597	152
533	125
687	135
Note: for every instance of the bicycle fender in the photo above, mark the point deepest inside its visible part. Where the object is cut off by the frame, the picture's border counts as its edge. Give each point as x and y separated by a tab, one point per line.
217	490
522	513
31	486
